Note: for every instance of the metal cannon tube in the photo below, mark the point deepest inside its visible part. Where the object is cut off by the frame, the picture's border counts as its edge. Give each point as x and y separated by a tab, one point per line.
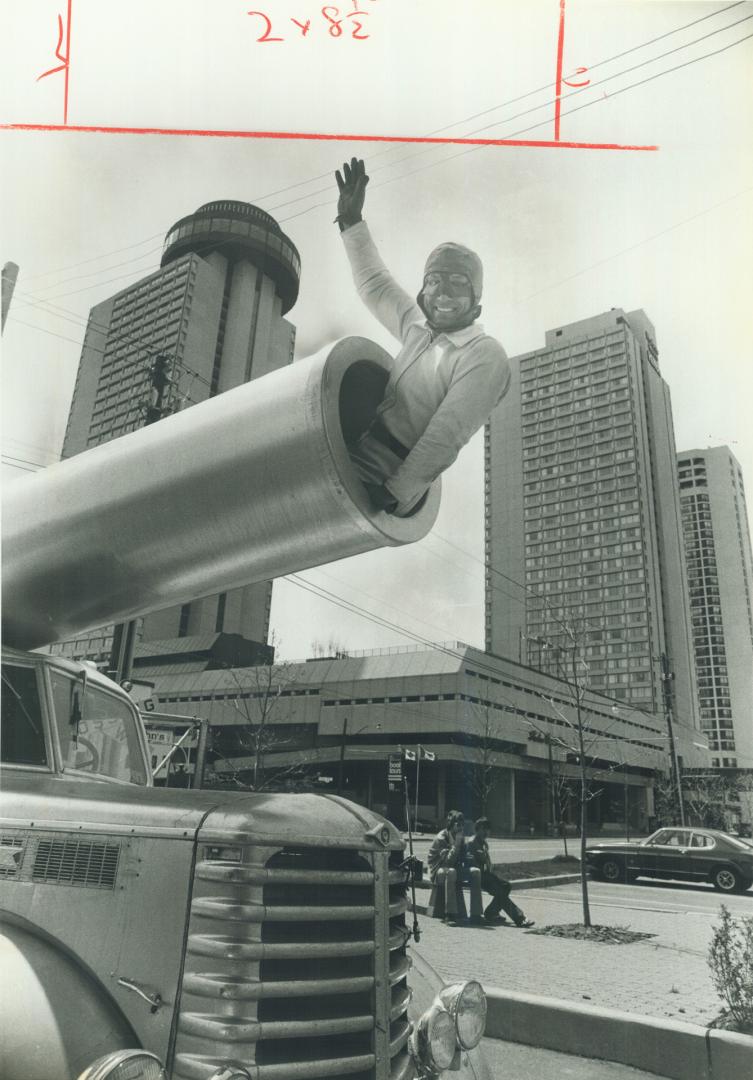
252	484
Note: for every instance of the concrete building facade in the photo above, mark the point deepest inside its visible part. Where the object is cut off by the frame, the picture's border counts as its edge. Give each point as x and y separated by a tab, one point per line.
583	536
211	318
720	579
500	732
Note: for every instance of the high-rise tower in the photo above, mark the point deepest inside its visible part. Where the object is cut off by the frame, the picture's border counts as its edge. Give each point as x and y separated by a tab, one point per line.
208	320
720	576
583	515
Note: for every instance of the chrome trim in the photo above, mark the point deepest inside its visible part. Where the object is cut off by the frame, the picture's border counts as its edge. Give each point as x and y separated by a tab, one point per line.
381	962
111	829
261	978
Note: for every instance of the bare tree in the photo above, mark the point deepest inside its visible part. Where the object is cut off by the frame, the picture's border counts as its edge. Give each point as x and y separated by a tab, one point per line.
705	796
484	774
576	735
332	649
563	797
263	702
665	799
744	795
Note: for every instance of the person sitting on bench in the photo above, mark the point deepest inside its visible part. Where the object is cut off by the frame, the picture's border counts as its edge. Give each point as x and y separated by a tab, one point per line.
449	865
478	851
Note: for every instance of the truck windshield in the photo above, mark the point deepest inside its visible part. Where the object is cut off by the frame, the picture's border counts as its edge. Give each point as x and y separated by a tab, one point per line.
97	731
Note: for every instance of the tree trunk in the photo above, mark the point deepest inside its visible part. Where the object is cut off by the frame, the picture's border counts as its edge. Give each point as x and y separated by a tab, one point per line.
583	799
583	839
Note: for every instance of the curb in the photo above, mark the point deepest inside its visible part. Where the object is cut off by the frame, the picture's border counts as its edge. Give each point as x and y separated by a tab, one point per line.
519	883
670	1049
544	882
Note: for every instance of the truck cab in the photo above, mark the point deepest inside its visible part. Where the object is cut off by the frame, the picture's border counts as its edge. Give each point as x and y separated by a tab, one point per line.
197	935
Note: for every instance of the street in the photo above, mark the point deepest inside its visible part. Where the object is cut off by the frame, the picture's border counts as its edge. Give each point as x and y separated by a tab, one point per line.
521	850
667	897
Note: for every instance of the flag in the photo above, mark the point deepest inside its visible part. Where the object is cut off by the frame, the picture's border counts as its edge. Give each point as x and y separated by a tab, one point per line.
429	755
410	755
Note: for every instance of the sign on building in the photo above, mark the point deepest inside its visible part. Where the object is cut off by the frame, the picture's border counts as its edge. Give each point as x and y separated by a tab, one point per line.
395	772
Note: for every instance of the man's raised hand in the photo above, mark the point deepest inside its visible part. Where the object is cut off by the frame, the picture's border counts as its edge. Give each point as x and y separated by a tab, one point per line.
352	187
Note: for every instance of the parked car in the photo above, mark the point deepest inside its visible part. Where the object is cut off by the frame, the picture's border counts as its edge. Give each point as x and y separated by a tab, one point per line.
692	854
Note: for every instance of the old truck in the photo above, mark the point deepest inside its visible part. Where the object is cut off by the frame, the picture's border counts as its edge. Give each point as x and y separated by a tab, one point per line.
154	932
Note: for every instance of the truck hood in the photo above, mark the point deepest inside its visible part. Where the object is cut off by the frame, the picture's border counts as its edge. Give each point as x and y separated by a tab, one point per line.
221	817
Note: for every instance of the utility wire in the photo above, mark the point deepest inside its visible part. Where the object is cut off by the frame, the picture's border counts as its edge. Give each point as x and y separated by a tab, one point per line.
12	461
525	112
533	592
352	608
533	127
94	258
494	108
105	269
112	340
44	305
391	149
627	71
578	108
473	149
591	67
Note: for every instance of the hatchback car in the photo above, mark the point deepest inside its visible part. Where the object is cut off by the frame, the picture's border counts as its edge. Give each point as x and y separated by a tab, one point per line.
704	855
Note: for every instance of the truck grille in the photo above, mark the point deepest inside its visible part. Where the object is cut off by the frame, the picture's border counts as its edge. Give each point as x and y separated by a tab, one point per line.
296	964
91	863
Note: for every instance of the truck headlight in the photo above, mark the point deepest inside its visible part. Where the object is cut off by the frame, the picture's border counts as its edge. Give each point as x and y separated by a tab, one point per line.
433	1040
125	1065
466	1004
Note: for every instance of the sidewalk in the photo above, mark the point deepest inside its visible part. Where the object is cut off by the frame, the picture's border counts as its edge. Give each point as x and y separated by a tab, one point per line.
665	977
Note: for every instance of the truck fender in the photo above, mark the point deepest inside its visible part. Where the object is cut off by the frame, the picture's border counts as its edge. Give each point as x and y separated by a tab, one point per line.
54	1017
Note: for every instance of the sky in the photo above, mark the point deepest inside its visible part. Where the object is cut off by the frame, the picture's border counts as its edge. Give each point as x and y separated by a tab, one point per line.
564	233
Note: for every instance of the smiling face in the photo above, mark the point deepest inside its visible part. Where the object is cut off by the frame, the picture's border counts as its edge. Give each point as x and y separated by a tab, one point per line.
447	299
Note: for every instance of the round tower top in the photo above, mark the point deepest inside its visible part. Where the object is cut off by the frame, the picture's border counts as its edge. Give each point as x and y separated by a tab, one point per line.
239	230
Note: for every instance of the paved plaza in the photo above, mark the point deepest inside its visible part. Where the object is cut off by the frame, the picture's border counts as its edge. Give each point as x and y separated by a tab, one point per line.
666	976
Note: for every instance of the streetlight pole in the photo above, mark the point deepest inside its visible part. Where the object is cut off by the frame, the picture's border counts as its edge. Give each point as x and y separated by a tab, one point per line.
550	763
341	764
667	676
418	777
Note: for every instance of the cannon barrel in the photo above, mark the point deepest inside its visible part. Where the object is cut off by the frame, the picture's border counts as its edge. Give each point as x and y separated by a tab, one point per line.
249	485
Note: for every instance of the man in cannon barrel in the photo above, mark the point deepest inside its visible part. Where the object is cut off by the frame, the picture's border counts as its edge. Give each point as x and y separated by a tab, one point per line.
449	374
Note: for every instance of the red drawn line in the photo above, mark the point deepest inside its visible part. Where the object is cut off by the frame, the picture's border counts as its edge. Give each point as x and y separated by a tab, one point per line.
67	62
58	54
225	134
558	87
65	58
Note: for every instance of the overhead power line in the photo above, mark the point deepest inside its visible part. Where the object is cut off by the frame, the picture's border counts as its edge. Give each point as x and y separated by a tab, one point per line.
94	258
533	127
22	463
481	665
472	149
535	108
149	349
455	123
